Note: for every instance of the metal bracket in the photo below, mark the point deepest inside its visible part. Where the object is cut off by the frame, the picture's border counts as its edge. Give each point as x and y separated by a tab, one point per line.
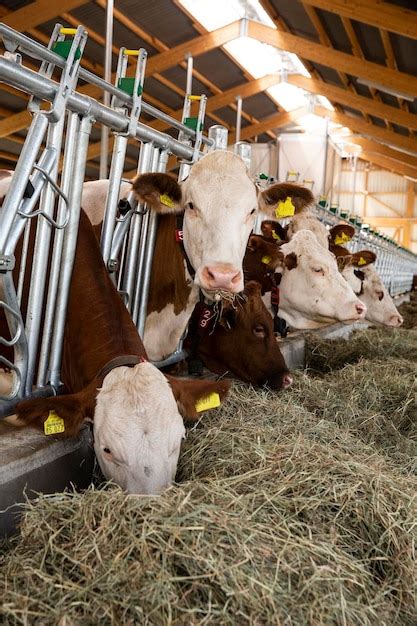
7	262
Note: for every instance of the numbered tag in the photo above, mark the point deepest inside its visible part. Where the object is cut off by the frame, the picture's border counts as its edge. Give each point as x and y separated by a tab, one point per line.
362	261
285	209
275	236
266	259
179	236
341	239
54	424
209	402
164	199
275	296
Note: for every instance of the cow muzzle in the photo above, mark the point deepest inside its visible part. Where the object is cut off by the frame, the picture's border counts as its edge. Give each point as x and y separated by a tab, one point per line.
221	277
395	321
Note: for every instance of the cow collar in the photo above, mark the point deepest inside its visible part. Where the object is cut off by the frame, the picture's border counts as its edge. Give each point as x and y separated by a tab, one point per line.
204	319
280	325
179	238
127	360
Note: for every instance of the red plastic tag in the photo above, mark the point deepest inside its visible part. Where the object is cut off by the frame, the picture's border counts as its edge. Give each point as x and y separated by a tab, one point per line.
275	296
179	236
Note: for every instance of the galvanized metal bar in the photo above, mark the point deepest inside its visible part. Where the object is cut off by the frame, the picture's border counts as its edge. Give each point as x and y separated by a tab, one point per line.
106	96
66	181
238	117
69	246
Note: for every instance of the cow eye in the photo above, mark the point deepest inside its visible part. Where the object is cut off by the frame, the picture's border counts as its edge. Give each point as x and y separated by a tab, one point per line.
318	270
259	331
107	450
190	206
380	295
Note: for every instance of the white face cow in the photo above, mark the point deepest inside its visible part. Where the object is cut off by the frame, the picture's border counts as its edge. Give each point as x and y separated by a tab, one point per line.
367	284
312	290
138	429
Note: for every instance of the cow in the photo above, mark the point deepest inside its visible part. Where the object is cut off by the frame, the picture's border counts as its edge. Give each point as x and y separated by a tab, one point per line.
219	202
136	410
312	292
242	343
357	269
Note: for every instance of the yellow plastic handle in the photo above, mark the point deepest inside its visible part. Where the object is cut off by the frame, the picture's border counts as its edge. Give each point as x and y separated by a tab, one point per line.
194	97
131	53
67	31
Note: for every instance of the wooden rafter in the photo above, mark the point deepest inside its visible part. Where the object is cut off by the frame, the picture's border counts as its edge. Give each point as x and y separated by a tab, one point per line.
39	12
374	12
362	103
379	148
334	58
389	164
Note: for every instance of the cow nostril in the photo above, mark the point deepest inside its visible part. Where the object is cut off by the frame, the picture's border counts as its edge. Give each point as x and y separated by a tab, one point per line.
236	278
287	381
360	308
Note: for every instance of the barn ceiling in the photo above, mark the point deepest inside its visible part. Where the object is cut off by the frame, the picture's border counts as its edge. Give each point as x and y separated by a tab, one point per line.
340	43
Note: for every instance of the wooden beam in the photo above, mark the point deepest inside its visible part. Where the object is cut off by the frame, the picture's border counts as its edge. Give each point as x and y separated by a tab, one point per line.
227	97
361	103
361	126
340	61
274	121
374	146
39	12
373	12
389	164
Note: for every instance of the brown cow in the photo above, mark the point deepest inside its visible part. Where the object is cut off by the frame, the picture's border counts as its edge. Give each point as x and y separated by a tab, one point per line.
137	426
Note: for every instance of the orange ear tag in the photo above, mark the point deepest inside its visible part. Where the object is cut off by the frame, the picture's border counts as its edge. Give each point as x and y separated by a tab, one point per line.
54	424
342	238
211	401
266	259
275	236
164	199
362	261
285	209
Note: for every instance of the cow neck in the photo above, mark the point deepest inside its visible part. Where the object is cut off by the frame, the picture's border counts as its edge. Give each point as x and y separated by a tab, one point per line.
179	238
98	328
169	284
280	325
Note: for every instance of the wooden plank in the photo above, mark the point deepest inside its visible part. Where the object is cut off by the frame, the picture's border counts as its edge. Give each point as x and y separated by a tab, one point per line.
374	12
39	12
340	61
389	164
375	146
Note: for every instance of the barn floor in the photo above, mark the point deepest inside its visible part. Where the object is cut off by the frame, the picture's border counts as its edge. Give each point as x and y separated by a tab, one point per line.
293	508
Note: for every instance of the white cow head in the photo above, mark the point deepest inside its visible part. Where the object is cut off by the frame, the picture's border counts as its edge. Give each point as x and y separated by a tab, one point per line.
312	290
220	202
359	271
137	420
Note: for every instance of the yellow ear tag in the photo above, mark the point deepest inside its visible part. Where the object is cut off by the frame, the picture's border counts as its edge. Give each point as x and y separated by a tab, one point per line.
342	238
209	402
164	199
285	209
275	236
362	261
53	424
266	259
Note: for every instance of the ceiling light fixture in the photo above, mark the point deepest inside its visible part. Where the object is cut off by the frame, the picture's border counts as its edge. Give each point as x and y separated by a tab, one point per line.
385	89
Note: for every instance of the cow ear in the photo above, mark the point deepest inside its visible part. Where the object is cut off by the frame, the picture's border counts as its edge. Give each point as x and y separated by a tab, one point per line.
290	261
253	288
273	230
284	200
341	234
343	261
160	191
189	393
270	253
363	258
73	409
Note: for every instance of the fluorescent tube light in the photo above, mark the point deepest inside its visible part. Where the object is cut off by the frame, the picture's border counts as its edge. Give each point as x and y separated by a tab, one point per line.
385	89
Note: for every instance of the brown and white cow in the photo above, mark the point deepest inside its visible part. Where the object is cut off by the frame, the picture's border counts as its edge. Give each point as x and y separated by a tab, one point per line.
219	201
135	408
312	290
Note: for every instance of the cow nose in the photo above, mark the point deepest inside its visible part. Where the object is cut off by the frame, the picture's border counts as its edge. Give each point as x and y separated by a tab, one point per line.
287	381
361	309
396	320
221	277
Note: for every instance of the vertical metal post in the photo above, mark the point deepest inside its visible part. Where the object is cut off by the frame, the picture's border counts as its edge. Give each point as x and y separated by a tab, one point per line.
107	77
69	246
189	85
355	166
326	156
218	134
238	117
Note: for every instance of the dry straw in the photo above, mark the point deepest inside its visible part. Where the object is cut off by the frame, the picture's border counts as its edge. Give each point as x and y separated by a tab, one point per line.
293	508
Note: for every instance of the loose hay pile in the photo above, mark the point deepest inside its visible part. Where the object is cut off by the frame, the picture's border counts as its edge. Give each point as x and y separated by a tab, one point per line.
293	508
409	311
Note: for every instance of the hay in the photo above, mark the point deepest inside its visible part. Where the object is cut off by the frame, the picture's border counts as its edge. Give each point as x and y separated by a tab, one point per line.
326	355
409	312
293	508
